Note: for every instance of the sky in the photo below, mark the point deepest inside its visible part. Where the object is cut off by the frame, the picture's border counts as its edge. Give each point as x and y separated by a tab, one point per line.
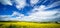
30	10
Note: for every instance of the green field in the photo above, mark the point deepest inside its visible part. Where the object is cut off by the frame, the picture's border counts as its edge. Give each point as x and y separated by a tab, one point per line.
28	25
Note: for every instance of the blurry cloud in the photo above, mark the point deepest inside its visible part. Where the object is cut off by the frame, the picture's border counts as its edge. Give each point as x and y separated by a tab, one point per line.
20	3
8	18
38	14
34	2
6	2
17	14
54	4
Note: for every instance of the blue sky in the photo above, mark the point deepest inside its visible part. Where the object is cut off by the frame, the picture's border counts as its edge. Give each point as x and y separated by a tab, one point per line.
30	10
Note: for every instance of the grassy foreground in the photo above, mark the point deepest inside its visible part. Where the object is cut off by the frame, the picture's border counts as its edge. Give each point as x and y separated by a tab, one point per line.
28	25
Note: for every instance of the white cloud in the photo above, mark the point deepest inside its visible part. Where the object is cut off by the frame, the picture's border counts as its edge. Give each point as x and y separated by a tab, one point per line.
44	1
20	3
33	1
54	4
17	14
9	18
6	2
41	15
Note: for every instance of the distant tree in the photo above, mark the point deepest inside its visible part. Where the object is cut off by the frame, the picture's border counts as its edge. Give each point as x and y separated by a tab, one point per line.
56	22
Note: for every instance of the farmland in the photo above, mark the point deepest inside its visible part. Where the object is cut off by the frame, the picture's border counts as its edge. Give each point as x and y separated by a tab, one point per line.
23	24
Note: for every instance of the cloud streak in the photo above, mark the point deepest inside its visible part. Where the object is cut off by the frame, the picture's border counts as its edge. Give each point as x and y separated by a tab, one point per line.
6	2
34	2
